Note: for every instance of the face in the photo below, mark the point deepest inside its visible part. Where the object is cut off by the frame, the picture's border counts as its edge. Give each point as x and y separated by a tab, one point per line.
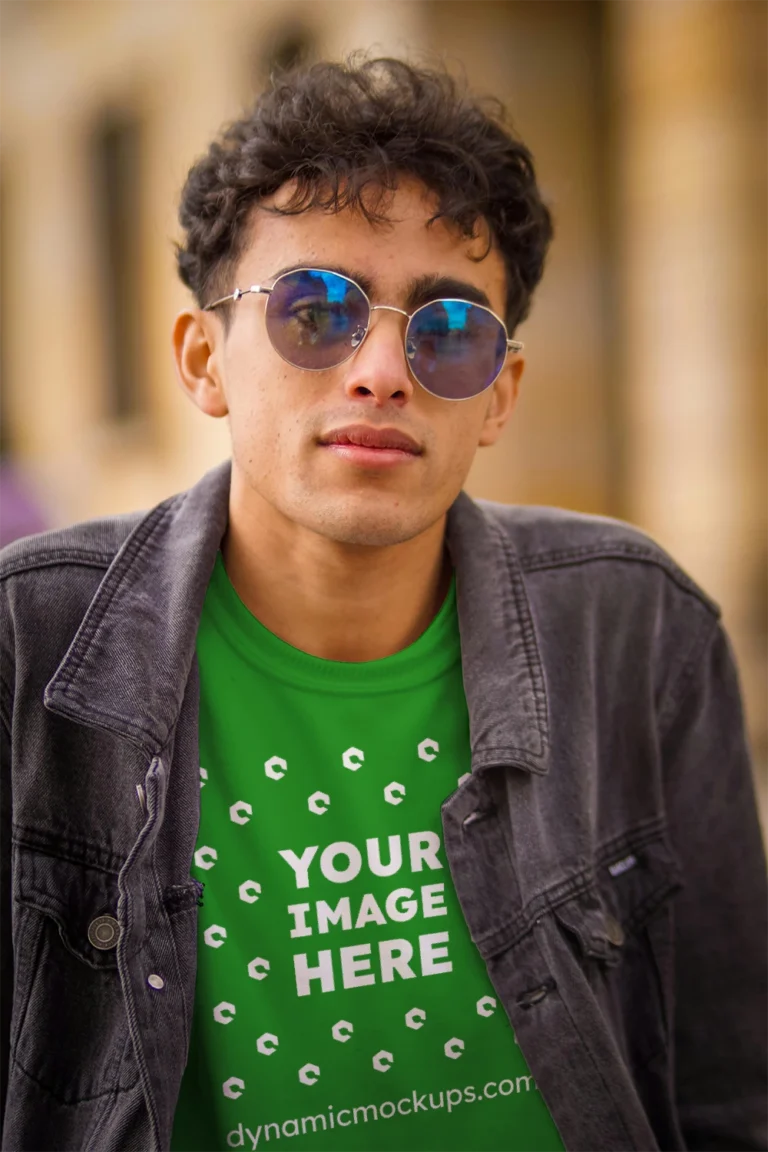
282	418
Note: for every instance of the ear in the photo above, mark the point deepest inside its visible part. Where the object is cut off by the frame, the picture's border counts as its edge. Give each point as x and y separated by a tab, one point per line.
198	339
502	402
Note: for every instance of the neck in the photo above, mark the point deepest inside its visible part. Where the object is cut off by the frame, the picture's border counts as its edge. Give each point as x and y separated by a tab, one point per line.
336	601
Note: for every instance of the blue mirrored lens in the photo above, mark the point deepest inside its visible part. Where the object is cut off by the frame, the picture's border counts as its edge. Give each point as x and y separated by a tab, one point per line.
316	319
455	349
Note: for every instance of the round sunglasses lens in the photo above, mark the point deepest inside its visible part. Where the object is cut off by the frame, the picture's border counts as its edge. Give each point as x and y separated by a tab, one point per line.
316	319
455	349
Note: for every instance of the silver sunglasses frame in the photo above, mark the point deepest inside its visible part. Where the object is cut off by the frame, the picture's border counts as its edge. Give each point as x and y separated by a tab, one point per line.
261	290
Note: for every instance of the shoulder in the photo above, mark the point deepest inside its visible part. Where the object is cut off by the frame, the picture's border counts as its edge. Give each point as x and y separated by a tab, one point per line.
598	549
609	600
48	580
91	544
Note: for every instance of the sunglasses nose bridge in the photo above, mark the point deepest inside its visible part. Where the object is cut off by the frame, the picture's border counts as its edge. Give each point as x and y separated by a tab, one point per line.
389	308
363	330
383	370
383	308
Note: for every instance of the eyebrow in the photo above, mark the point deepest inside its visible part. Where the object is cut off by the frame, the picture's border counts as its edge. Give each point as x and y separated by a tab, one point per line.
419	289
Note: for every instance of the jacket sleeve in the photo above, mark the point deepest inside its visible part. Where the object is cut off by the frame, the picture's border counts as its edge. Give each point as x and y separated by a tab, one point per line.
720	916
6	946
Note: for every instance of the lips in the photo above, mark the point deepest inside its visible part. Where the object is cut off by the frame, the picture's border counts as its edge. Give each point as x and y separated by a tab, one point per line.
365	436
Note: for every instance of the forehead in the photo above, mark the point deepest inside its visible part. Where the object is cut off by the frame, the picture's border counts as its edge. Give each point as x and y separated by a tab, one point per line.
390	254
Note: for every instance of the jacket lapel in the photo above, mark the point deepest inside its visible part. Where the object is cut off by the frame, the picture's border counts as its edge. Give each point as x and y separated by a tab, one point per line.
503	675
127	668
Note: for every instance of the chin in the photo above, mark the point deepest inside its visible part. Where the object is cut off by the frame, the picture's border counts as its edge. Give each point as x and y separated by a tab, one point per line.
372	528
369	534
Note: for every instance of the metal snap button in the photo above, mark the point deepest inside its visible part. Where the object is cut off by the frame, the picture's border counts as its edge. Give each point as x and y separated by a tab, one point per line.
103	932
155	981
614	931
478	814
534	996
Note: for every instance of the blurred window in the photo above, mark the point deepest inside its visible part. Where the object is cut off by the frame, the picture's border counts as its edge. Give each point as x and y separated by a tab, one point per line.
117	164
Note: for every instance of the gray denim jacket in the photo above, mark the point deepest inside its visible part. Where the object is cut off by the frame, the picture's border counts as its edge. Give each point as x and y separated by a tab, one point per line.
605	847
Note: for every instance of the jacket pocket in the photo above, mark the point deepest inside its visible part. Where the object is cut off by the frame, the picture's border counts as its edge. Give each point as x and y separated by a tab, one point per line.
69	1030
621	931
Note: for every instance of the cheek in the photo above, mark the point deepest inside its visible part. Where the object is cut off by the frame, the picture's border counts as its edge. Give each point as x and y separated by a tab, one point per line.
462	435
265	416
254	373
251	416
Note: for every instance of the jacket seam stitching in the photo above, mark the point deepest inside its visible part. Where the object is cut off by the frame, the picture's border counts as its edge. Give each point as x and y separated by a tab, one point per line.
91	713
165	914
481	755
529	641
25	965
562	558
140	538
5	716
641	834
27	838
597	1070
583	880
46	913
509	935
126	915
58	1098
98	1120
677	691
51	560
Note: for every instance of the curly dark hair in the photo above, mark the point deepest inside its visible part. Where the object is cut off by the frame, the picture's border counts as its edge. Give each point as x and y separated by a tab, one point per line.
344	133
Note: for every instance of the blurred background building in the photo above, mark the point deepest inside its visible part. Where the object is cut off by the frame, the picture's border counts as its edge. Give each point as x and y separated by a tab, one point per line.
645	392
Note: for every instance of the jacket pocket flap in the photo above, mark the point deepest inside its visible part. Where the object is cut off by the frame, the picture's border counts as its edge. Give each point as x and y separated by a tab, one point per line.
632	883
75	896
636	880
587	920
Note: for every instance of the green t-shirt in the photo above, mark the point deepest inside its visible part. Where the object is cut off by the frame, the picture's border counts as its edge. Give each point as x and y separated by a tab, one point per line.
340	1003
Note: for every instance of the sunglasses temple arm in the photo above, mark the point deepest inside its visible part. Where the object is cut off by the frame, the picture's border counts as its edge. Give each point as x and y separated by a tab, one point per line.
515	345
236	295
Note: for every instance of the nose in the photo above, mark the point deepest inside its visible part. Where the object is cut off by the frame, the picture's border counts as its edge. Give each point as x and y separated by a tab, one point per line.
379	368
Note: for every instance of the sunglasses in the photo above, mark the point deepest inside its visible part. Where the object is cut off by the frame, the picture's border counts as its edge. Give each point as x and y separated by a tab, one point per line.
316	320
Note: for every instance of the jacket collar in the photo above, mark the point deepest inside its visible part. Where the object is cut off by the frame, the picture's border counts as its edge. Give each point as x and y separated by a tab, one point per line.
127	668
501	664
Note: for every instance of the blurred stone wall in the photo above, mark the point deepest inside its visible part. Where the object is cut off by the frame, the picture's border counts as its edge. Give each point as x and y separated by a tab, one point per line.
645	389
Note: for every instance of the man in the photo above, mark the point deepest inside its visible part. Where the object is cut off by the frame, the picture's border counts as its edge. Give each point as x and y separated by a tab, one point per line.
342	804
